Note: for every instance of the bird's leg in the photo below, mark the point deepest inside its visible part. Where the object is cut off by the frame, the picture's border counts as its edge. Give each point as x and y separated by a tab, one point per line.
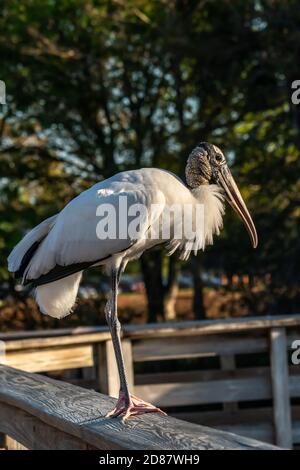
127	404
115	328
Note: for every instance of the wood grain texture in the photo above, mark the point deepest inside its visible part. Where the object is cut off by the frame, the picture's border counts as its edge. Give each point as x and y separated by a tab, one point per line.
79	347
34	433
80	414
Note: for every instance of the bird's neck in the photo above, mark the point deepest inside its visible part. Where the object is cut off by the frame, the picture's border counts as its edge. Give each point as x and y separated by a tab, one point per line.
211	196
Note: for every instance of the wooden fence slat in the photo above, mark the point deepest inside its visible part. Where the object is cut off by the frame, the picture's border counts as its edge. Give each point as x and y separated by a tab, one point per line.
206	376
52	341
208	327
66	357
195	393
280	385
175	348
80	414
185	328
54	333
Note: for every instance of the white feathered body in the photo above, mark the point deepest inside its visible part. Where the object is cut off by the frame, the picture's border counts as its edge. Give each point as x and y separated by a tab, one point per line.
70	237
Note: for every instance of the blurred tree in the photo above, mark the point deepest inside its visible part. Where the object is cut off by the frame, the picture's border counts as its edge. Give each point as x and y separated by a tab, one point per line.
96	87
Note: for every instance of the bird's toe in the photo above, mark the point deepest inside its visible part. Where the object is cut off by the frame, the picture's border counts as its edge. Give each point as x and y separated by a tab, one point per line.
136	406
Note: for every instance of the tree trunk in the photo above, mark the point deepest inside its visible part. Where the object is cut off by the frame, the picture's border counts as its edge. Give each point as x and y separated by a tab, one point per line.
151	264
161	299
198	304
171	290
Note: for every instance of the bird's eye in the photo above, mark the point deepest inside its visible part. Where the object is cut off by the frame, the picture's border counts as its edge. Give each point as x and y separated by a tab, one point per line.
219	158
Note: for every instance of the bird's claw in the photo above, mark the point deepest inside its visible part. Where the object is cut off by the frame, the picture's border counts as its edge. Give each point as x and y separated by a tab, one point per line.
135	407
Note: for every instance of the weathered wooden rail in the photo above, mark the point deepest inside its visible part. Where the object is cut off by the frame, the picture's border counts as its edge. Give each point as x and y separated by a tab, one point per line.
37	412
250	387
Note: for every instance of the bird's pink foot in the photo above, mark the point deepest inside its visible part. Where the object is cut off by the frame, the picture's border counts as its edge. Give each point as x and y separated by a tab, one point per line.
135	407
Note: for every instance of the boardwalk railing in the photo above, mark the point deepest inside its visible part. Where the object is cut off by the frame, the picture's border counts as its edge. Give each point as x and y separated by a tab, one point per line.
37	412
236	374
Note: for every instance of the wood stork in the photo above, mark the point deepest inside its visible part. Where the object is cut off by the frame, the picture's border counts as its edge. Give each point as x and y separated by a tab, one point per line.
54	254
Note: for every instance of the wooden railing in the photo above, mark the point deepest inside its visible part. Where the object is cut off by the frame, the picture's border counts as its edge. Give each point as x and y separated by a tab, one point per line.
247	385
37	412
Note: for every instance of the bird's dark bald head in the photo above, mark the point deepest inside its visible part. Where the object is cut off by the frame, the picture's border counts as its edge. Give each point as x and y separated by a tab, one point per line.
203	163
207	165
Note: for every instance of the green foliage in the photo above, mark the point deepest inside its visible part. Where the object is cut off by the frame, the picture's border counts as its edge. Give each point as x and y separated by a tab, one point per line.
95	87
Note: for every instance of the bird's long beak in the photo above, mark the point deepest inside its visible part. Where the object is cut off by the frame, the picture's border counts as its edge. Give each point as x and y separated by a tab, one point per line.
236	201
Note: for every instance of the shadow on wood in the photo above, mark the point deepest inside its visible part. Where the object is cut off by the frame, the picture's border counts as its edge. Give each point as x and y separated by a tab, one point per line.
42	413
249	386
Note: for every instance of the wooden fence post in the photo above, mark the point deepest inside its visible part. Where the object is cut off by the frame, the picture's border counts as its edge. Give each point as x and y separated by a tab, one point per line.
280	388
228	363
108	376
